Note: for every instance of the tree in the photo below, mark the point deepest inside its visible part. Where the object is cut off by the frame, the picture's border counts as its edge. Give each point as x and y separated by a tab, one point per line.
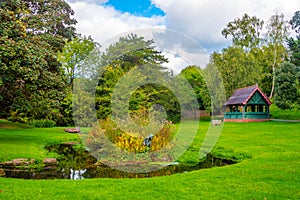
295	22
31	85
237	67
73	55
245	32
50	19
72	59
286	88
276	35
294	47
215	87
266	60
193	75
131	51
294	43
128	53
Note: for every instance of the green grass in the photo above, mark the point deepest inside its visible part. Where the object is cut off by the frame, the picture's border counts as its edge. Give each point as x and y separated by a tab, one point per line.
272	172
21	141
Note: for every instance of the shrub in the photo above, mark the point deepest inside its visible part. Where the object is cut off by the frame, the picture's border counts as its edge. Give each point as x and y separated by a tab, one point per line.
288	114
221	152
43	123
133	141
16	116
205	118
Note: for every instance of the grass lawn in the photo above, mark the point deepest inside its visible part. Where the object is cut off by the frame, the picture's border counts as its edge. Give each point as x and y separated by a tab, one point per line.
21	141
272	172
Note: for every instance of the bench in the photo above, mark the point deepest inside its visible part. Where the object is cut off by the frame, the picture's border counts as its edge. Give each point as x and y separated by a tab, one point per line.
216	122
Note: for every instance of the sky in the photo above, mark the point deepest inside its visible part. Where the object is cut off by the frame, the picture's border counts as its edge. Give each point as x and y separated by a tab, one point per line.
200	20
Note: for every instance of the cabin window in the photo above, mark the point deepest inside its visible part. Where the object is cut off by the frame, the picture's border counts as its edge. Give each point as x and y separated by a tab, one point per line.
240	109
256	108
228	109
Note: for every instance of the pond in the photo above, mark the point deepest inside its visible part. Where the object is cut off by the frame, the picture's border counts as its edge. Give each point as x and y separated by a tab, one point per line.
77	163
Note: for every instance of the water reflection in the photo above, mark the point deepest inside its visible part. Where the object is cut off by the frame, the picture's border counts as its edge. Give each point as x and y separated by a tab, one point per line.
77	163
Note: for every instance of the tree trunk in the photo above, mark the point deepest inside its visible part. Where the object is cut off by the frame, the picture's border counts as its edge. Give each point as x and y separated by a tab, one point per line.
273	79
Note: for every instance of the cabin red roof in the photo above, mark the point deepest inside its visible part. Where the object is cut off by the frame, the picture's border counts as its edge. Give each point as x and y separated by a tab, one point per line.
243	95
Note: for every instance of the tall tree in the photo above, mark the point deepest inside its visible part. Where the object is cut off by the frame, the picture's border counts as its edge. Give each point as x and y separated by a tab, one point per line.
51	19
245	32
127	53
295	22
194	75
276	36
237	67
73	55
72	58
294	43
131	51
286	88
31	84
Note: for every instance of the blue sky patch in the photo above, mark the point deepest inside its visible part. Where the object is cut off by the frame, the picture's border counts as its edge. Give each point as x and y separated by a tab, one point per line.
136	7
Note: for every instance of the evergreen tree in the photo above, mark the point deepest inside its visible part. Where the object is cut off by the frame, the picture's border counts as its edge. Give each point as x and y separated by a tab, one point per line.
286	88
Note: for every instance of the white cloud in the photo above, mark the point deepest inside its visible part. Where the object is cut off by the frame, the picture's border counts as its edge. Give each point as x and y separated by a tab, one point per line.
104	22
205	19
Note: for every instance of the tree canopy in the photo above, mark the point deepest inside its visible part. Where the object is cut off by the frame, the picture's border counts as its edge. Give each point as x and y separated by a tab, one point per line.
126	54
31	85
245	32
255	54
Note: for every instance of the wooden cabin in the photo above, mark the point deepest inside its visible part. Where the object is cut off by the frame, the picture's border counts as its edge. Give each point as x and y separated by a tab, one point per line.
247	104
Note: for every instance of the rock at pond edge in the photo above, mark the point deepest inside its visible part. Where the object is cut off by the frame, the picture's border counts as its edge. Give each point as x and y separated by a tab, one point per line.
50	161
72	130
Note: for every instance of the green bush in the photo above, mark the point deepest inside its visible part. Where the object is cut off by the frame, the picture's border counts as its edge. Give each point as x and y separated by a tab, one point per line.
205	118
133	141
289	114
43	123
221	152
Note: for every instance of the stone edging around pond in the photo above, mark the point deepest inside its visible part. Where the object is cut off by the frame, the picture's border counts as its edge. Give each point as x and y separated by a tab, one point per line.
26	162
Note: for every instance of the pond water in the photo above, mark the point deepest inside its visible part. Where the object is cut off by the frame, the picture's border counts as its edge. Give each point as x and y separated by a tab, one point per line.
76	163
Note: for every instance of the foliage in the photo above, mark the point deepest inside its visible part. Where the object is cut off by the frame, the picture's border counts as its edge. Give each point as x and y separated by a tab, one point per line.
151	97
130	51
295	22
276	36
294	43
205	118
245	32
133	141
237	67
125	60
294	47
72	58
286	87
267	60
286	114
31	33
66	109
216	89
194	76
43	123
230	154
252	58
73	55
